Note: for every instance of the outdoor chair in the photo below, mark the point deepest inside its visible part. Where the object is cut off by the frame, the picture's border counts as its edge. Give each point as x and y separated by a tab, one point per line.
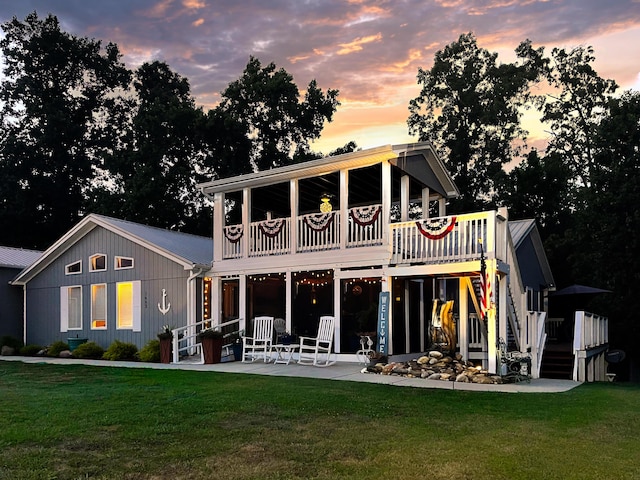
258	345
316	351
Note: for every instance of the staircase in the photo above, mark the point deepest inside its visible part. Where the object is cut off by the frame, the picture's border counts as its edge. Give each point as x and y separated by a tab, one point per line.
557	363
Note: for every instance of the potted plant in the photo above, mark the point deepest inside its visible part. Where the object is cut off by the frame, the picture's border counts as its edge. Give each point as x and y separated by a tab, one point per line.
165	336
211	340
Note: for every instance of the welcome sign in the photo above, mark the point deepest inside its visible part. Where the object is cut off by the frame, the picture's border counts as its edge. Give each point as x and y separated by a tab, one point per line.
383	322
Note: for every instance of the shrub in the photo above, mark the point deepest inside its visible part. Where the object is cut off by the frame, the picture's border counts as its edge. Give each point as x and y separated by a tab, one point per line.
30	350
88	350
121	351
12	342
150	352
56	347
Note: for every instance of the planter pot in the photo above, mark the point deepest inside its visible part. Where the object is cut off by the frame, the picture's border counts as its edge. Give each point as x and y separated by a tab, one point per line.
75	342
166	345
212	349
236	348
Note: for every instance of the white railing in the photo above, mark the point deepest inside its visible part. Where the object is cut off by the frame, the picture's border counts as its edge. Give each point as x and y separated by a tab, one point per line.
590	331
445	239
318	231
364	226
476	335
534	338
185	338
232	241
270	237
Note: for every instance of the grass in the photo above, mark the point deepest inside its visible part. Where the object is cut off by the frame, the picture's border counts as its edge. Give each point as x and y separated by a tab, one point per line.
82	422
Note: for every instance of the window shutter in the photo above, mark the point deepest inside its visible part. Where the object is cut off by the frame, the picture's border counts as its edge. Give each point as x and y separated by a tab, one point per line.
137	309
64	309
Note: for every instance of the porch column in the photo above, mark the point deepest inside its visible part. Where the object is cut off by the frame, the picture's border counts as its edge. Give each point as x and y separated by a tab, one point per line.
422	315
503	292
218	225
442	207
344	208
242	300
492	321
407	325
386	285
386	201
425	202
293	234
246	220
337	299
404	198
216	304
463	318
288	305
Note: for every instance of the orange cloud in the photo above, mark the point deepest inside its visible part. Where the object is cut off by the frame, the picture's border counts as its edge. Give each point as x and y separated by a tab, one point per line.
356	45
194	4
198	22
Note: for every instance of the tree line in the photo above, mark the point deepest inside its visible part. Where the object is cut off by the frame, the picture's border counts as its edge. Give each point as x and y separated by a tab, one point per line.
82	133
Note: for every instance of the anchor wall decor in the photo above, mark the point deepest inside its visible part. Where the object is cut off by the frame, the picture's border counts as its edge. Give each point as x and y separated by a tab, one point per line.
165	307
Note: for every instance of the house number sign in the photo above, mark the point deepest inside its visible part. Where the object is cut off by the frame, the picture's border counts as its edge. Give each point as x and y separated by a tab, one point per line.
165	306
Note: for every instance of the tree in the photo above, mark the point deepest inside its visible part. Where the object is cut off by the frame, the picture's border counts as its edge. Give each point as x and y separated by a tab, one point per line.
152	177
469	109
265	103
57	96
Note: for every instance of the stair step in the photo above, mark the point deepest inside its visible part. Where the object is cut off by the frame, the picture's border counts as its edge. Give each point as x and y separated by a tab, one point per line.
557	364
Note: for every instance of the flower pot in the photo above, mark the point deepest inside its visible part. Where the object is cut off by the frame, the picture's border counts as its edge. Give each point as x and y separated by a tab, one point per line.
236	348
211	349
165	350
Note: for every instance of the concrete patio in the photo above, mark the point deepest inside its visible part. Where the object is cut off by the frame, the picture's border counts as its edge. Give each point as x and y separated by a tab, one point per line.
350	372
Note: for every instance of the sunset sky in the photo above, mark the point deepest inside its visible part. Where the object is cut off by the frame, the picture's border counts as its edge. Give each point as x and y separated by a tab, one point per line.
369	50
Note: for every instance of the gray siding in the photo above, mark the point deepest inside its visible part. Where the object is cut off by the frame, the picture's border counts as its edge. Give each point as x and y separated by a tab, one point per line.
532	275
11	311
154	271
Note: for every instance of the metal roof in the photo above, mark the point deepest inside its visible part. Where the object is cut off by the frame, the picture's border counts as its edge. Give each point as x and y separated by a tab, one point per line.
519	229
17	257
191	251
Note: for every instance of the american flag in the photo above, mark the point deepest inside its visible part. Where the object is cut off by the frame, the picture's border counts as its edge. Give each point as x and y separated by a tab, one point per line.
485	285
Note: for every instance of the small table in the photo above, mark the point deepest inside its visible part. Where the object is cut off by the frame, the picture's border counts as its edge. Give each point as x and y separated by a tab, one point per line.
284	352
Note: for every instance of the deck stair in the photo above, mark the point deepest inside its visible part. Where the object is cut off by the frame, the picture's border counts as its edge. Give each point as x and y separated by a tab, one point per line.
557	362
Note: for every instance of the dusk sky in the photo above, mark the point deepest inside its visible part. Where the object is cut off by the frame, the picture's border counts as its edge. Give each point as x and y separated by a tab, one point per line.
369	50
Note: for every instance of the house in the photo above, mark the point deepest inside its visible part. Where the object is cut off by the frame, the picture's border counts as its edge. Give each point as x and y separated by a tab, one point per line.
337	235
12	261
109	279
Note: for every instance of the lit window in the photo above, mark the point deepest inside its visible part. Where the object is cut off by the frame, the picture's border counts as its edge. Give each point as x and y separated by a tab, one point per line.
99	306
128	311
70	308
98	263
123	263
73	268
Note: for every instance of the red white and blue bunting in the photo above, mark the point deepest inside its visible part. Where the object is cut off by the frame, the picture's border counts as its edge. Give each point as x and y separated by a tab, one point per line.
319	221
365	216
234	233
436	228
272	228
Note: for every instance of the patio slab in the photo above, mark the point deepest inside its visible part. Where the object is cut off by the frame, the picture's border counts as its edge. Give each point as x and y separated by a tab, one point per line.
340	371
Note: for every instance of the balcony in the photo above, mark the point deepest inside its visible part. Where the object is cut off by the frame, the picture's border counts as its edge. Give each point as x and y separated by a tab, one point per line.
436	240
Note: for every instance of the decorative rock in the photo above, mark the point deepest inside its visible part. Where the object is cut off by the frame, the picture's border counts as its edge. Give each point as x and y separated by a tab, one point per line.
65	354
462	378
423	360
481	379
447	360
434	376
458	357
435	354
7	351
433	361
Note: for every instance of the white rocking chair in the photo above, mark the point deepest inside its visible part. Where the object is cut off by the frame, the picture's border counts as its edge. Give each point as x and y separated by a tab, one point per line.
316	351
259	345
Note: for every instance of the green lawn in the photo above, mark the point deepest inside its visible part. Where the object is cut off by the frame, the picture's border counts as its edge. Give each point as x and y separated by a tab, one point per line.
72	422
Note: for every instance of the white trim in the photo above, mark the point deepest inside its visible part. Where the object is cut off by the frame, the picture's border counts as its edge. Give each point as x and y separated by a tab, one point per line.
64	308
97	255
106	309
119	257
66	268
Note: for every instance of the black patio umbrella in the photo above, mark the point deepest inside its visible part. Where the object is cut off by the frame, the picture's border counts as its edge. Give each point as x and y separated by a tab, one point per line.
579	290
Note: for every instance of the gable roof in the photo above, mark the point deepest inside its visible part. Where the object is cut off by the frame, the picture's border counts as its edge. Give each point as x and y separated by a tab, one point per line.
17	257
522	229
190	251
416	159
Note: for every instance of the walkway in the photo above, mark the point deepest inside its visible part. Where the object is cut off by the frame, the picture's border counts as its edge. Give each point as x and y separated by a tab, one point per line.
341	371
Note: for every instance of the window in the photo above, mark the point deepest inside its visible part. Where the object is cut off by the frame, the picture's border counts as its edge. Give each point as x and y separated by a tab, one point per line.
128	306
123	263
99	306
73	268
97	263
70	308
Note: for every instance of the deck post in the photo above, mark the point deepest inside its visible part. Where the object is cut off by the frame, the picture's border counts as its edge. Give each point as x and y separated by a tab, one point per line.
293	231
386	201
463	318
337	298
344	208
246	221
218	225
